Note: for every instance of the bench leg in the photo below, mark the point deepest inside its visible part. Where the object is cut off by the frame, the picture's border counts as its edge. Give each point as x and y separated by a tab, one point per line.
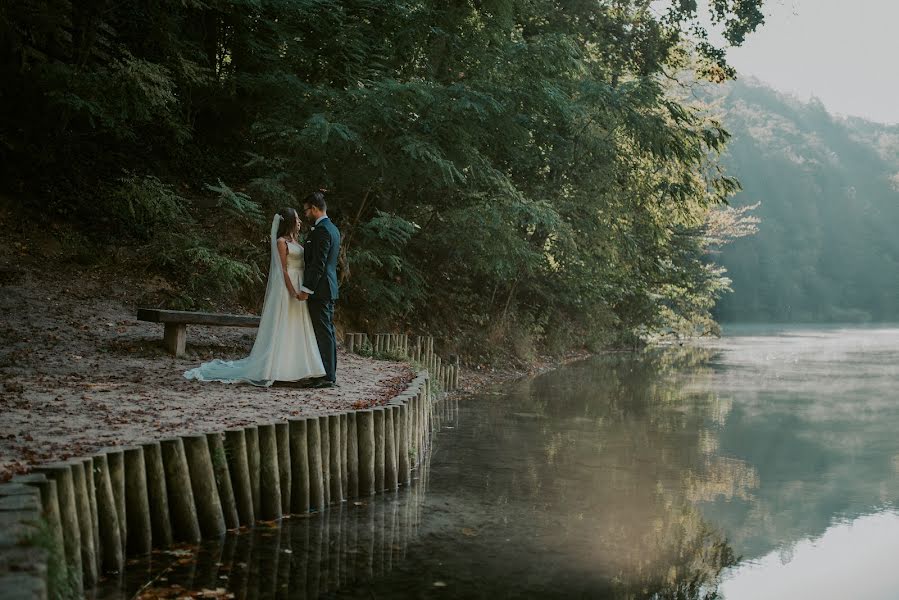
175	338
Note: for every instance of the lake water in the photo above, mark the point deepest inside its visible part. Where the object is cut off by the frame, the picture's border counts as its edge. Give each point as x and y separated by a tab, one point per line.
761	465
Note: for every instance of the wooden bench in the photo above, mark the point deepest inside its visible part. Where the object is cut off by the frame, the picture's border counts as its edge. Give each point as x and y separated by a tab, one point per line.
176	321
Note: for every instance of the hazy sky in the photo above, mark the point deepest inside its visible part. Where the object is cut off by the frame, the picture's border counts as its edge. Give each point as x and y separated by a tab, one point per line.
845	53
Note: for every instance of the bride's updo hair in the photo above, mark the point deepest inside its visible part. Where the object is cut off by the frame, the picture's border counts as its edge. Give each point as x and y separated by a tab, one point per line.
288	222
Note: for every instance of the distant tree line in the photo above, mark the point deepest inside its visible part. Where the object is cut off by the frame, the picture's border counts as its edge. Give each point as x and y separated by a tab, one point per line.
500	169
827	248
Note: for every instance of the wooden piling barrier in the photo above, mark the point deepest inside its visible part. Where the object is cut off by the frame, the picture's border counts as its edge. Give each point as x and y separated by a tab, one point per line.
379	449
219	456
352	465
285	471
351	342
316	479
110	543
251	436
299	462
239	471
200	485
390	477
269	482
182	509
365	426
157	495
137	505
336	452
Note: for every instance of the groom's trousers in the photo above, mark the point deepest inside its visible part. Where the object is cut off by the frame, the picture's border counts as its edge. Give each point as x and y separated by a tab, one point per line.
322	314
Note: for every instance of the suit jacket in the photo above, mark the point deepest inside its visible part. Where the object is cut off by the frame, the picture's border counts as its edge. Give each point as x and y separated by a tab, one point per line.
321	250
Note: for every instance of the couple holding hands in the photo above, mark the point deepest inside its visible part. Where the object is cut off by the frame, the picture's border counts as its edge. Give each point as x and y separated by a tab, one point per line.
296	340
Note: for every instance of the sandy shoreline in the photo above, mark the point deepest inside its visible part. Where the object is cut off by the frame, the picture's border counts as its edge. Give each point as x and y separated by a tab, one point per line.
78	373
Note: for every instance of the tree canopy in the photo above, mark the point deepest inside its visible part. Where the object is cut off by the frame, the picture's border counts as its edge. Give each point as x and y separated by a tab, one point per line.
500	169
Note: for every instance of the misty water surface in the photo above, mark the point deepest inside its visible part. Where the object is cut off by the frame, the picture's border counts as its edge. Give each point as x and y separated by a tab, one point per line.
760	465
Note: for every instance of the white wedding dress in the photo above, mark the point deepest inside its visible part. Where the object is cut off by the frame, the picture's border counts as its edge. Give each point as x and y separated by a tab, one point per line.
285	348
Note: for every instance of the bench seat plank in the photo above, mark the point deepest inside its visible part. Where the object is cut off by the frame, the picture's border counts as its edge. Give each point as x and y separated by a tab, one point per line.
185	317
174	337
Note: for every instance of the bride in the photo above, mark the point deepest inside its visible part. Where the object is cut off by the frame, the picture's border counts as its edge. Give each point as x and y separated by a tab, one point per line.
285	348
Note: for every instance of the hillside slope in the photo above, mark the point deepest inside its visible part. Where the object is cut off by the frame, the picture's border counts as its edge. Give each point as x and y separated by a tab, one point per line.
827	249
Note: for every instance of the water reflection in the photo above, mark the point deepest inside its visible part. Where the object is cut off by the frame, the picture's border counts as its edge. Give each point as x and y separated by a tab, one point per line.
850	560
301	557
627	476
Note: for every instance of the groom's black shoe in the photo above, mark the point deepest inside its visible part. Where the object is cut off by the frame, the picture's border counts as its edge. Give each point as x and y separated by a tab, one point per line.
324	383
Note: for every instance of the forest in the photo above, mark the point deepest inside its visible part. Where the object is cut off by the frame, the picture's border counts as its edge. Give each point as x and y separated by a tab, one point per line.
515	177
827	196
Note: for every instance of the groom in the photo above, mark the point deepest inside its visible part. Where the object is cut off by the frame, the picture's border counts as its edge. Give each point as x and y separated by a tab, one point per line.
320	282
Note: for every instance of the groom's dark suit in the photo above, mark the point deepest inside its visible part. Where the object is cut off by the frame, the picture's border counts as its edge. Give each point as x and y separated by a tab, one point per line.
321	250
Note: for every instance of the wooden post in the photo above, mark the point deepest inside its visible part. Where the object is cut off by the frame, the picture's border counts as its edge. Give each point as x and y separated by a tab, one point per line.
379	448
115	458
316	480
92	501
351	342
390	475
239	471
175	338
85	525
182	509
411	433
223	479
352	464
137	508
365	425
49	508
326	456
110	540
251	435
344	451
61	473
285	472
269	482
336	453
157	495
405	471
299	461
202	482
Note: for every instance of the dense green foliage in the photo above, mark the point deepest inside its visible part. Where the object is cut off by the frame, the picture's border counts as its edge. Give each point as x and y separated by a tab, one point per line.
500	169
828	188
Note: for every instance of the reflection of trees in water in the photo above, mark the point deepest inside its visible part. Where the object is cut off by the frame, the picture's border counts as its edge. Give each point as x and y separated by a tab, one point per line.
617	443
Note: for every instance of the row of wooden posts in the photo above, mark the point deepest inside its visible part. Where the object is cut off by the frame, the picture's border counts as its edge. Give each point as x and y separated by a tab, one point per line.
127	501
419	350
305	558
351	544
